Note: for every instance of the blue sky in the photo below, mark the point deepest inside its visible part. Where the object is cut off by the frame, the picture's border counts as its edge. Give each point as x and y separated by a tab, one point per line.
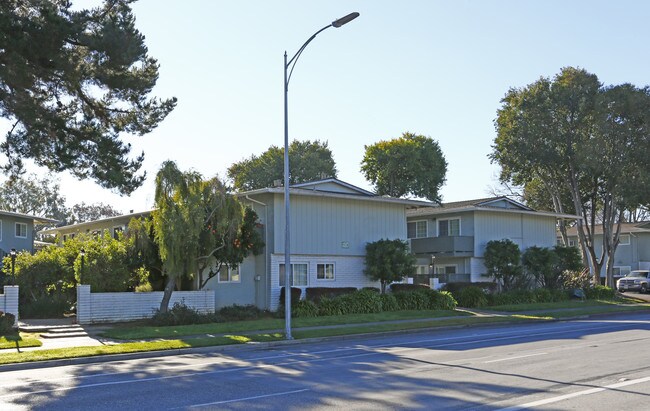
437	68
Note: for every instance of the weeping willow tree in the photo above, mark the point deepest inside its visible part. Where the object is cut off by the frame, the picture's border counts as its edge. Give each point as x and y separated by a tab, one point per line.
197	223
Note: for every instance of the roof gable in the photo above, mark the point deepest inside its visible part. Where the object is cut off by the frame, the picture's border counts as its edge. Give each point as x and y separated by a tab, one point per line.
333	185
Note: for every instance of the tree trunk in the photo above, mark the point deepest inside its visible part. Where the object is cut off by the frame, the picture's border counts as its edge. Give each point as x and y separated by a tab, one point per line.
167	295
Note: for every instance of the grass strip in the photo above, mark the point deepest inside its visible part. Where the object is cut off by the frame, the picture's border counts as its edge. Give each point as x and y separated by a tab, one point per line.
21	340
143	332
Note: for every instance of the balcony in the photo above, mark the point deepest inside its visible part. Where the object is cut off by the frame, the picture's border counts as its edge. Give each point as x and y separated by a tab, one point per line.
458	246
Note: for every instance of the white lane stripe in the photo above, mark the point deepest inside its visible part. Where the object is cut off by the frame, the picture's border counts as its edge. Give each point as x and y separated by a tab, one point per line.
575	394
257	397
515	358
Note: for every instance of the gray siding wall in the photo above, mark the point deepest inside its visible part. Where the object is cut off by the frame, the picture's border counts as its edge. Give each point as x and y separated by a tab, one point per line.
524	230
9	239
333	226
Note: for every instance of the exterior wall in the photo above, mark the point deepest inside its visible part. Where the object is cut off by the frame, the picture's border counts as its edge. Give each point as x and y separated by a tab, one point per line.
246	292
113	307
522	229
333	226
466	222
348	273
9	301
635	255
8	232
643	246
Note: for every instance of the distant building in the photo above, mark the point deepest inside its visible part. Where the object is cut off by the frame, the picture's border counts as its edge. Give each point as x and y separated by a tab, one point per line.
113	225
17	231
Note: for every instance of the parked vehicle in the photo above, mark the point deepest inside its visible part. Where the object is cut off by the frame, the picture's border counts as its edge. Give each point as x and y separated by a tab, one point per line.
637	280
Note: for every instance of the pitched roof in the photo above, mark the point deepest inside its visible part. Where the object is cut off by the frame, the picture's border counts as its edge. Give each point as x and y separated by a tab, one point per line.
626	228
498	204
101	220
28	216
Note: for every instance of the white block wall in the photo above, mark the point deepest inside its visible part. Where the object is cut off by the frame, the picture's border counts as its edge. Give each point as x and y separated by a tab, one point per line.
115	307
9	301
348	272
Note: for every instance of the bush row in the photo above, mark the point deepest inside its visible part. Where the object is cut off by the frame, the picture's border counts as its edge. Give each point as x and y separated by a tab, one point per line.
181	314
368	301
475	297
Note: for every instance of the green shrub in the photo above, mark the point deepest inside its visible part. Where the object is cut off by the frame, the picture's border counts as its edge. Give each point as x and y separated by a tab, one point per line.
560	295
144	288
7	323
441	300
295	296
330	306
412	300
361	302
181	314
388	302
512	298
455	287
47	306
316	293
472	297
240	313
543	295
600	292
399	287
306	308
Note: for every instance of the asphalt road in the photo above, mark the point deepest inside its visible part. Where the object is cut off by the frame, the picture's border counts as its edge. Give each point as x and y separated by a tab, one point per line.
597	364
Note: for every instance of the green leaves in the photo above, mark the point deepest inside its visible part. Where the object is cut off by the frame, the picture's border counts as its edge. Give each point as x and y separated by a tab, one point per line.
388	261
72	82
411	164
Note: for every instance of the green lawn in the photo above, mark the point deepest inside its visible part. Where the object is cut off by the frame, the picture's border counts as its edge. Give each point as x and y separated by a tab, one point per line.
574	304
19	340
143	332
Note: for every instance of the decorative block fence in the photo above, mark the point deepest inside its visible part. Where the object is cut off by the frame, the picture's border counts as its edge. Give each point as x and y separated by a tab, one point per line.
9	301
114	307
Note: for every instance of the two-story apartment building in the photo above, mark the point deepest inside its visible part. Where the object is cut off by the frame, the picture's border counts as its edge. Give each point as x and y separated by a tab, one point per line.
633	251
449	241
114	225
17	231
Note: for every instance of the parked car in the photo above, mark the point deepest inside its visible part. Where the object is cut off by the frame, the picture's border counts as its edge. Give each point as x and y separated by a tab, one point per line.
637	280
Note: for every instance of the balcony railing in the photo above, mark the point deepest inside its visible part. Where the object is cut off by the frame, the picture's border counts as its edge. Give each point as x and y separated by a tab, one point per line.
458	246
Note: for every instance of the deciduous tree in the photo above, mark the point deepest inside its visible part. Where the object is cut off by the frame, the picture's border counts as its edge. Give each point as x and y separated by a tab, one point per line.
388	261
308	161
409	165
72	83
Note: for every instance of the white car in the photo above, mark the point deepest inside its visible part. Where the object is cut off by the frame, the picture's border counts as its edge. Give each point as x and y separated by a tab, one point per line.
637	280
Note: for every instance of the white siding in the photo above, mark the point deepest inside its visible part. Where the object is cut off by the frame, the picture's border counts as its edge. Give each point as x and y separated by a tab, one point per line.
333	226
522	229
348	273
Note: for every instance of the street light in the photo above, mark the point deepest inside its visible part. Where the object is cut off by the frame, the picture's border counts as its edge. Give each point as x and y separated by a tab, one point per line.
287	249
82	254
12	253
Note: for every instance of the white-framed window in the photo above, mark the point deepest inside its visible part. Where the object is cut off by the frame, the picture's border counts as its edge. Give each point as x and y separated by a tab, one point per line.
416	229
449	227
21	230
325	271
299	271
229	275
572	243
621	271
117	230
624	239
421	269
445	269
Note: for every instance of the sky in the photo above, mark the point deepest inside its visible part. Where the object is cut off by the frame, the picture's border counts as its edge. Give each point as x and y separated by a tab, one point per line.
436	68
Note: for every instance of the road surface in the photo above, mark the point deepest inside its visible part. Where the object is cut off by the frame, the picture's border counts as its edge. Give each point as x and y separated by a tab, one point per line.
595	364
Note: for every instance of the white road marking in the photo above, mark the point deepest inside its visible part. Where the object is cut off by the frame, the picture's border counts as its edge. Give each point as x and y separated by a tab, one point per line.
575	394
515	358
248	398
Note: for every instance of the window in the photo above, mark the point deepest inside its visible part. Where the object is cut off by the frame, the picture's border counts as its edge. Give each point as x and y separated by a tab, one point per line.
21	230
229	275
445	269
299	274
416	229
116	232
449	228
421	269
621	271
624	239
572	243
325	271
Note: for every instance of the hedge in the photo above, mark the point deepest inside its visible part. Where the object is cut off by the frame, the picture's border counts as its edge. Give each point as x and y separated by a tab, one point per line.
316	293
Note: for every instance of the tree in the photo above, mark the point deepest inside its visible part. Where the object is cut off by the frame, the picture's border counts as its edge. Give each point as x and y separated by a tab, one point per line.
71	84
33	195
539	263
582	139
388	261
196	222
502	259
82	212
308	161
411	164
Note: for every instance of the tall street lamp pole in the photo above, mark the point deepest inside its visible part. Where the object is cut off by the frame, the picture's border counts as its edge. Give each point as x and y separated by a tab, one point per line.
12	253
288	70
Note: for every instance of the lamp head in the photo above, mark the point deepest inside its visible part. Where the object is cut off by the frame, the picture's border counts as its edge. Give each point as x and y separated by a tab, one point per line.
344	20
82	252
12	252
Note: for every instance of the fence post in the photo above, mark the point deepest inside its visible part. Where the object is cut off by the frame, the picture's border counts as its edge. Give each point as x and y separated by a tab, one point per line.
11	301
84	312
